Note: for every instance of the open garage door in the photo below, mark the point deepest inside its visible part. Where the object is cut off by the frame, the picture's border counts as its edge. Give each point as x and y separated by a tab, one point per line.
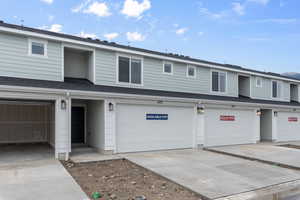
229	127
288	126
26	122
147	127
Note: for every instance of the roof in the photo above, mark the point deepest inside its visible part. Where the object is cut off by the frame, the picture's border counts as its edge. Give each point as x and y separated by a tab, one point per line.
85	85
113	44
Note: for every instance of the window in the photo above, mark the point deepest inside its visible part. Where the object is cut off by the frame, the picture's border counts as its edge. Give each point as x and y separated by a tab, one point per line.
218	81
258	82
129	70
168	68
37	48
191	71
276	89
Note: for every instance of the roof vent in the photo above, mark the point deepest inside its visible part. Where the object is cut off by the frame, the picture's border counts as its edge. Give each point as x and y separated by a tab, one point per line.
89	38
97	40
113	43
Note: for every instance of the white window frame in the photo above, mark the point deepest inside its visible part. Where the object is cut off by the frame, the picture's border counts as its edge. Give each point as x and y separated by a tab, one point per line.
226	82
279	89
130	58
44	42
187	71
261	82
172	68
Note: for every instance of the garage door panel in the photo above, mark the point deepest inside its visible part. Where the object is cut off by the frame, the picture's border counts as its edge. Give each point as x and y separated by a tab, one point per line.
229	132
24	123
288	130
136	133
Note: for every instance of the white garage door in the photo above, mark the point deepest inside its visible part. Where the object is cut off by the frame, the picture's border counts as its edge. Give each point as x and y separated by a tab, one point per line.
288	126
229	127
146	128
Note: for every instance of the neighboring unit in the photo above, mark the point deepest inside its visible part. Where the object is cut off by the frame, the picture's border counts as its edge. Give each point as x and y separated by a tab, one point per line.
69	91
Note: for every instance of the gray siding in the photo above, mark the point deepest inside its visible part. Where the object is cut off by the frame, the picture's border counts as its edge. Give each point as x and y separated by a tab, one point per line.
15	61
153	77
265	92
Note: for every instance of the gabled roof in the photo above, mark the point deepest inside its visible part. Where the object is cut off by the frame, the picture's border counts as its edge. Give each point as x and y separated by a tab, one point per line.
85	85
170	55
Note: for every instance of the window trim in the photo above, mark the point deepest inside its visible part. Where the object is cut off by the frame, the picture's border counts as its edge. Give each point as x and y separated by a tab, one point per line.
187	71
130	58
172	68
279	90
226	82
261	82
44	42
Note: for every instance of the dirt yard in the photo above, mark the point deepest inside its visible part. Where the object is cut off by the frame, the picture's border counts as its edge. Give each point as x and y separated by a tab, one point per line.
123	180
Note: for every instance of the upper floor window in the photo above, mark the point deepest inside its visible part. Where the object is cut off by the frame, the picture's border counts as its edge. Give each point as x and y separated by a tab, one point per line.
258	82
218	81
191	71
129	70
168	68
37	48
276	89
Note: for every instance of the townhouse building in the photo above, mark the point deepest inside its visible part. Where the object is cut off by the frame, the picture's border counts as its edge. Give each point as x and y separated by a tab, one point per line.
65	90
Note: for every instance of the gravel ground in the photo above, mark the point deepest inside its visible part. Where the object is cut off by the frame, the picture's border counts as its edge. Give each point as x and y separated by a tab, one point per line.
123	180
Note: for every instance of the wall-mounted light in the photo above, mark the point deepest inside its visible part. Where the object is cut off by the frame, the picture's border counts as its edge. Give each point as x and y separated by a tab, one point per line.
258	112
275	114
160	102
63	104
294	109
200	109
111	106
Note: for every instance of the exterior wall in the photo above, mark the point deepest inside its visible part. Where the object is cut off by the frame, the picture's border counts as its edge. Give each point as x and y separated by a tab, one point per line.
153	77
265	92
295	93
76	64
95	125
15	61
62	129
266	125
244	86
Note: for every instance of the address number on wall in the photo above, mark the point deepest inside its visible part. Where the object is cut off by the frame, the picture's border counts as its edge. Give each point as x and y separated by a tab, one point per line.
227	118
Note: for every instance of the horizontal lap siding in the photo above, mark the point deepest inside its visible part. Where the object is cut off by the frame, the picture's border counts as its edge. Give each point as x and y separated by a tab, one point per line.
265	92
15	61
154	78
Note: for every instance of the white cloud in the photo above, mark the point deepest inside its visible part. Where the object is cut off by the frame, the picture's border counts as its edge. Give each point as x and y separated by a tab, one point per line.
262	2
212	15
132	8
111	36
99	9
181	31
80	6
200	33
87	35
238	8
47	1
279	20
282	3
54	28
135	36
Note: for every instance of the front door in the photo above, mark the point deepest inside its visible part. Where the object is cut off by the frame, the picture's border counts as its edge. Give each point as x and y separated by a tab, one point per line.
78	125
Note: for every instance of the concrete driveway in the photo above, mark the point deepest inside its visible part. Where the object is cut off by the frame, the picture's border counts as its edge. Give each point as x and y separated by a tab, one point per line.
266	152
35	176
214	175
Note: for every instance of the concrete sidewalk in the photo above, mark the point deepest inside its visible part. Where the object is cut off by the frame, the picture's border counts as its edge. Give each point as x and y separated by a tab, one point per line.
214	175
266	152
41	179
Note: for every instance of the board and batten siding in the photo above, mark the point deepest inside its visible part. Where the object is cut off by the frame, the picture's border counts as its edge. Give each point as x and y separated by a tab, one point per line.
154	78
15	61
265	92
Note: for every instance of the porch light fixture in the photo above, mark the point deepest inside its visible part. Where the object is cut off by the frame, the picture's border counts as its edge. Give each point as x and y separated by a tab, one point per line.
258	112
200	109
63	104
275	113
111	106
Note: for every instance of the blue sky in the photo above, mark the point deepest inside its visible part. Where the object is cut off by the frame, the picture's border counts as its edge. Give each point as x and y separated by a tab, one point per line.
258	34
